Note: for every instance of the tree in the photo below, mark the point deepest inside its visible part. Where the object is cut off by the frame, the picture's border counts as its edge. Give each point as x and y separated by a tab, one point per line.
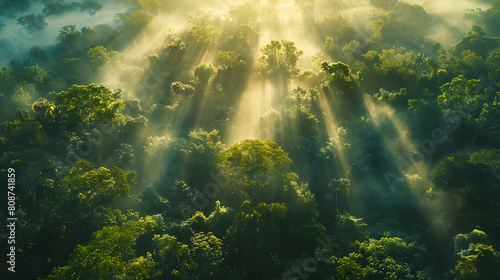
69	37
463	98
32	22
340	76
488	121
342	186
480	261
88	105
53	8
80	203
14	6
136	20
254	238
474	256
99	56
229	60
476	41
388	257
182	89
341	86
44	110
307	6
243	14
400	24
396	66
493	61
111	254
152	6
206	250
42	57
186	166
220	219
32	161
258	170
175	259
91	7
280	59
96	186
458	175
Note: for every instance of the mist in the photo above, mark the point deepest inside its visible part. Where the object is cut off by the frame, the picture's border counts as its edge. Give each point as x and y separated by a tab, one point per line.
16	41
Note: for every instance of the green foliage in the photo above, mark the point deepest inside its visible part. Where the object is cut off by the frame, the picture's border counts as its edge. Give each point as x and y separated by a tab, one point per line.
111	254
203	31
125	155
481	263
198	222
187	163
220	219
88	105
471	101
94	186
152	6
475	41
342	185
80	202
405	24
349	229
136	20
458	175
91	7
99	56
243	14
463	241
35	163
393	98
229	59
340	78
396	66
182	89
174	256
258	170
202	74
336	27
207	251
280	59
254	238
460	92
488	120
493	61
388	257
32	22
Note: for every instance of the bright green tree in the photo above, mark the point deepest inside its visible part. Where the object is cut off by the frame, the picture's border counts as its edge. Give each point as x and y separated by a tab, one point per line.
111	254
88	105
258	170
152	6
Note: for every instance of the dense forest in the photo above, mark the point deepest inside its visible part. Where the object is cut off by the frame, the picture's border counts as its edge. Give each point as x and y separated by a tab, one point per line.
269	139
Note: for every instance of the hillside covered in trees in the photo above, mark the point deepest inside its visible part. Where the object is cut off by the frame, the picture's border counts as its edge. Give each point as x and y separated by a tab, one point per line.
268	139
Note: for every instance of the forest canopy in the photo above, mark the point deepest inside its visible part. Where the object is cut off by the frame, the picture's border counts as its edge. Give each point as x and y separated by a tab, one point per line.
280	139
